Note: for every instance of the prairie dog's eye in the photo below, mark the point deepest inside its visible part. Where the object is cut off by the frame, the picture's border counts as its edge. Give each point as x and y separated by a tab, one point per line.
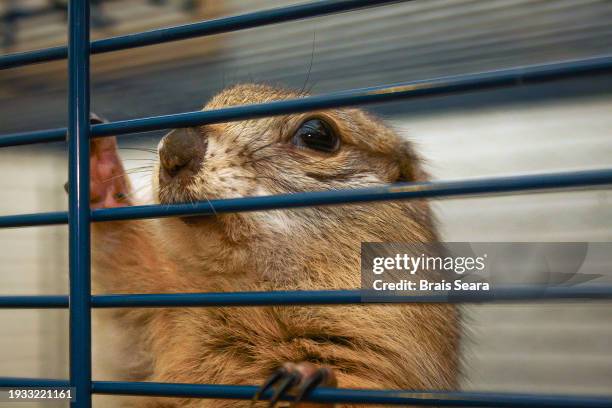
317	135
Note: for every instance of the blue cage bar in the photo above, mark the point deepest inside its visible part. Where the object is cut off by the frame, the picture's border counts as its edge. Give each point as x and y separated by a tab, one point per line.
379	94
80	301
211	27
496	185
387	397
78	202
303	297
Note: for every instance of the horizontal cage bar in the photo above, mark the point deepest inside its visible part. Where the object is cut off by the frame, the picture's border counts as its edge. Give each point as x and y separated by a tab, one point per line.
200	29
26	220
308	297
34	302
399	191
380	94
331	395
387	397
18	382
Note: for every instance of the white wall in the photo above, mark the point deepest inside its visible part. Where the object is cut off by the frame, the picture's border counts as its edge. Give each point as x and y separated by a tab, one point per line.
33	343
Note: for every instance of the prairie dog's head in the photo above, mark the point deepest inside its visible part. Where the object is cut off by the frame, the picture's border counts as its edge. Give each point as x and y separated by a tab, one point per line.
321	150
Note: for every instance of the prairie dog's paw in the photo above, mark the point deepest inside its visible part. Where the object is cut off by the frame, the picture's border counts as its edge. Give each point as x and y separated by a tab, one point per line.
109	185
296	380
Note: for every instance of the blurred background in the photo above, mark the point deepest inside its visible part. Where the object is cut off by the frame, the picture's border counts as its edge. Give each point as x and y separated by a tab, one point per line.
542	348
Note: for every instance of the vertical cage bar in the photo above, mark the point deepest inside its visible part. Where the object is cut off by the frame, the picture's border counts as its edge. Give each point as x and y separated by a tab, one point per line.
79	212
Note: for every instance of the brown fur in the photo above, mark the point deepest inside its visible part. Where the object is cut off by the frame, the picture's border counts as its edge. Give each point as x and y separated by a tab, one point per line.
368	346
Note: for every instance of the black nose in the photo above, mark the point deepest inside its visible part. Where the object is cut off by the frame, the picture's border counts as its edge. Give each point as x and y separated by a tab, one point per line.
182	151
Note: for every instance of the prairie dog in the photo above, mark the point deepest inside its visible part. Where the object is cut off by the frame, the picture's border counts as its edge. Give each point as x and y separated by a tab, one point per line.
356	346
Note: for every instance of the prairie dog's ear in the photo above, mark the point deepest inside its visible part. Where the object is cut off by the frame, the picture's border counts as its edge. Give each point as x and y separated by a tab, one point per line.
410	164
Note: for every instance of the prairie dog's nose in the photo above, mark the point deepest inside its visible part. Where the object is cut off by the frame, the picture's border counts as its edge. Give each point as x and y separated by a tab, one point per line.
182	150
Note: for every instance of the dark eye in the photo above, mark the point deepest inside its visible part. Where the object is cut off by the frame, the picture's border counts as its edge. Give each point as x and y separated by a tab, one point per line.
317	135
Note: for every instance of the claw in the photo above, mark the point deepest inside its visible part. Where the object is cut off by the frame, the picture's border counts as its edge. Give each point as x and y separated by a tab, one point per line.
284	385
296	380
277	375
308	385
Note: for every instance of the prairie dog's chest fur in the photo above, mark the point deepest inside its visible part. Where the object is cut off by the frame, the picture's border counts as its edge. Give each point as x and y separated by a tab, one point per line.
235	345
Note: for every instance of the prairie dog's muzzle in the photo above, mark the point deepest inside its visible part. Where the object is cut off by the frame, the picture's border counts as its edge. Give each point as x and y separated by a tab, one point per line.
181	152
